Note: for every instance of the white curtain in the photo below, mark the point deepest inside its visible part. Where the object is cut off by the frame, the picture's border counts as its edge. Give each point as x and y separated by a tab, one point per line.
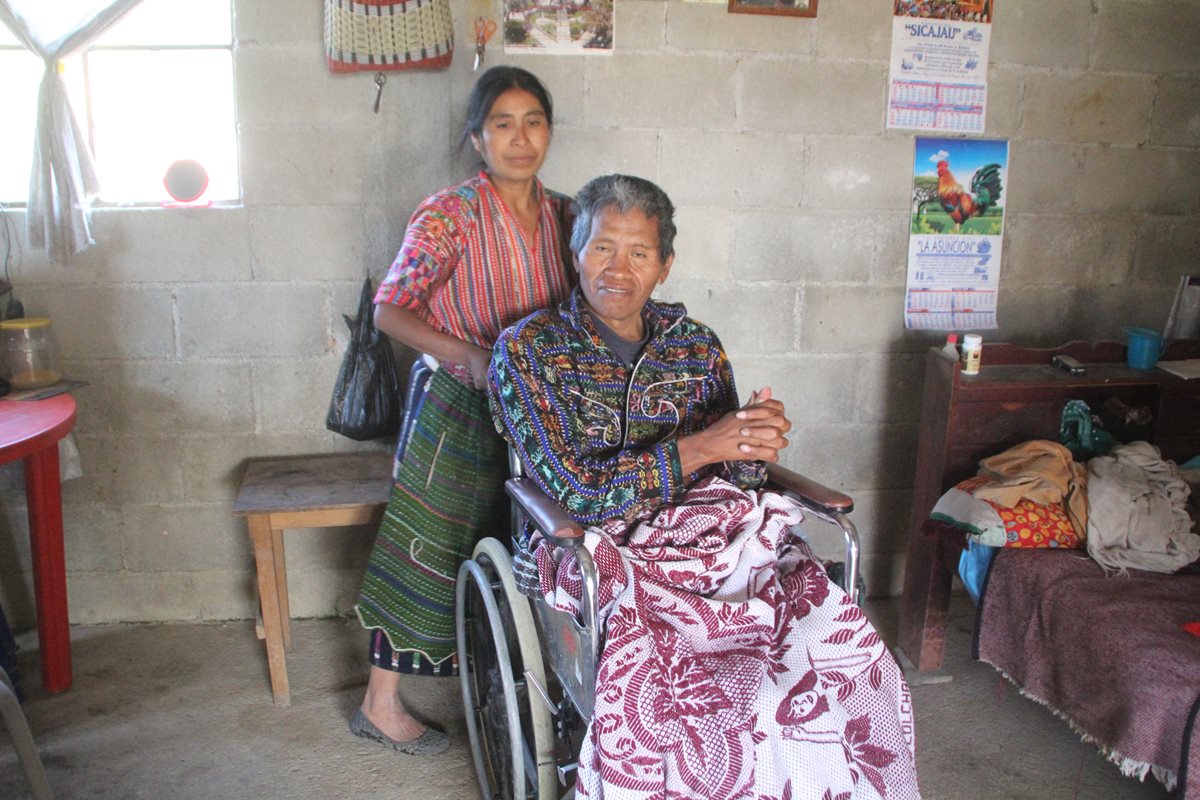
63	181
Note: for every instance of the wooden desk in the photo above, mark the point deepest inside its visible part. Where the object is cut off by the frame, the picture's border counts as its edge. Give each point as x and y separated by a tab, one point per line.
1018	395
30	430
302	492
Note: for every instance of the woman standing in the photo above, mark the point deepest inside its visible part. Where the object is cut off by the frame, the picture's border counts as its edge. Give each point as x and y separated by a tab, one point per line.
476	257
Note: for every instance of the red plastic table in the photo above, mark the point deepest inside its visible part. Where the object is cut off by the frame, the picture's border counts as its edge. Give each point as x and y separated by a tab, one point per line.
31	430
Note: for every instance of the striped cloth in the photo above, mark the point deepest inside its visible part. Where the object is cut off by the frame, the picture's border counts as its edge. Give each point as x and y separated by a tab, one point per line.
467	267
385	35
448	494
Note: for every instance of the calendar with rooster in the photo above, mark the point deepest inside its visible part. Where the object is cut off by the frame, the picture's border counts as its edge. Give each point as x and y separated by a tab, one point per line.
956	233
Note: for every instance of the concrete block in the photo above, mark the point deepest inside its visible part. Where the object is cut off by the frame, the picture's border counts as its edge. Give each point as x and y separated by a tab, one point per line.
285	164
809	246
890	387
1146	37
859	172
1176	118
182	245
820	97
702	243
709	26
1166	249
324	593
1042	176
640	26
163	538
94	401
890	261
129	469
96	597
329	548
289	84
229	595
1066	250
1103	312
277	22
1121	179
14	531
1032	34
214	468
855	319
1033	318
849	31
269	319
293	396
155	397
1093	107
689	91
110	322
580	154
308	242
1005	97
853	458
696	165
750	320
816	390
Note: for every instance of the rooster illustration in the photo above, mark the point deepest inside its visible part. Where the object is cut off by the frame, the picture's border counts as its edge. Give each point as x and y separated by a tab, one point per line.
960	204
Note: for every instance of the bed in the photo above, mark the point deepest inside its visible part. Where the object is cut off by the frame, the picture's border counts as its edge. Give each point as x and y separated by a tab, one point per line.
1110	655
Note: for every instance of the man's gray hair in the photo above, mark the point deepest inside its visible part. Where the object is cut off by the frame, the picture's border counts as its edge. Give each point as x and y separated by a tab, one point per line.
623	193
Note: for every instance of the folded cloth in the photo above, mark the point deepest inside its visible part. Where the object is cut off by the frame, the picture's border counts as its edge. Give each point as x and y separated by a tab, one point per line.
1138	516
1042	471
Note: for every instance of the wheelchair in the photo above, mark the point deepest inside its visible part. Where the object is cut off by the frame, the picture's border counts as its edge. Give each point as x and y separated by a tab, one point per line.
528	670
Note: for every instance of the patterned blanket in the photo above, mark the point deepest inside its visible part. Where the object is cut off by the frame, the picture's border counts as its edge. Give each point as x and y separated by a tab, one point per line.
732	666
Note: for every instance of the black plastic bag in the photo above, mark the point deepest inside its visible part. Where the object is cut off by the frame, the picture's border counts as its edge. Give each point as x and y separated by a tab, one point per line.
366	398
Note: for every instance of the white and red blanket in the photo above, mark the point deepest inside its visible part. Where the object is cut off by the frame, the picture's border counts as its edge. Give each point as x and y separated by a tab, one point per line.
732	667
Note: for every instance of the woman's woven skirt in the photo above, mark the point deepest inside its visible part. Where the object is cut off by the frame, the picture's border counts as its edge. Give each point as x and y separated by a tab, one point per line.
448	493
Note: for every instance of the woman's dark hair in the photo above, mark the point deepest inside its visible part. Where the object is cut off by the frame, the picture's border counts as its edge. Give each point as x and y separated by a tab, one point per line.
623	193
493	83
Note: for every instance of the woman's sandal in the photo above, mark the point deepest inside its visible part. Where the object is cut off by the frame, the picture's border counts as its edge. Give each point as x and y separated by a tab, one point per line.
429	743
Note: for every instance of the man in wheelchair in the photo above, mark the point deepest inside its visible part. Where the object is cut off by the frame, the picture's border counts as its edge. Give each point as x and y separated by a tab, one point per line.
731	666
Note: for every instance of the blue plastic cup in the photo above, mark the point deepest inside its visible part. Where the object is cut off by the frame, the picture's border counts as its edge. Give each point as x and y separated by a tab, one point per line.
1145	346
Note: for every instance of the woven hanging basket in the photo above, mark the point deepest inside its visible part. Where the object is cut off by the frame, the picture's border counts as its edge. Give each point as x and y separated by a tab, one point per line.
372	35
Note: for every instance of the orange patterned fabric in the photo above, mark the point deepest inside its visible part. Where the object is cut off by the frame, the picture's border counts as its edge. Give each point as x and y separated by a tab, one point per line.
1034	525
1030	524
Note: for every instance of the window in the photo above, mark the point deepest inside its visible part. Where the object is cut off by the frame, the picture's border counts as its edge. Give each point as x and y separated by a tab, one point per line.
154	88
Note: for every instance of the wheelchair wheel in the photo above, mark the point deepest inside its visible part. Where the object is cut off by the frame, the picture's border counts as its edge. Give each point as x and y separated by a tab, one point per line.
511	734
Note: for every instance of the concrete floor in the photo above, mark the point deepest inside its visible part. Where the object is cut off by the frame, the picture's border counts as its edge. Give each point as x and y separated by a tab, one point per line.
184	711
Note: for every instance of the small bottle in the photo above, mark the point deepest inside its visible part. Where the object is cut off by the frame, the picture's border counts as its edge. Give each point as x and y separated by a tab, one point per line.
950	348
972	353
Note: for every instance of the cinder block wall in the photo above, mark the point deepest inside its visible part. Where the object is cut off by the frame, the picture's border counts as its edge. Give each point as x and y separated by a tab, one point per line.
212	336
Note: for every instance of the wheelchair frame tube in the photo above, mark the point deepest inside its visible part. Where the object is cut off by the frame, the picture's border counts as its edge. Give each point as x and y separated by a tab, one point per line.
850	534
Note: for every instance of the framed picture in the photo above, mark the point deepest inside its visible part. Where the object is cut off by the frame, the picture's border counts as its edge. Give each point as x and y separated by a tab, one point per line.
783	8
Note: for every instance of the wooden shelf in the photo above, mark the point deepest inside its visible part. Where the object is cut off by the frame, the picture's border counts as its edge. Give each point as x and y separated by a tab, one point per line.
1019	395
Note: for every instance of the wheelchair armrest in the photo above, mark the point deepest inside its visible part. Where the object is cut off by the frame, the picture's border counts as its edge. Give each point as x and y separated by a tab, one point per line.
549	518
828	500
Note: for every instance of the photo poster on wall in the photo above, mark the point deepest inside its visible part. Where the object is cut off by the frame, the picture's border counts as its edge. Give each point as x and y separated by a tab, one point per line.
939	65
955	233
572	28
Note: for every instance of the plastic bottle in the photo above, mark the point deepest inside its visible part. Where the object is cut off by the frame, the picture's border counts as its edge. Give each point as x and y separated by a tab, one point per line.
950	348
972	353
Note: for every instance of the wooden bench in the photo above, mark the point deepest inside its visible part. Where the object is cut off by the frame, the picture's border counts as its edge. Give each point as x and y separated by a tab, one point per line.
278	494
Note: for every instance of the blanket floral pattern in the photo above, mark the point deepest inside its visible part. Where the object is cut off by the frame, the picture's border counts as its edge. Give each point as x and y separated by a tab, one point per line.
732	666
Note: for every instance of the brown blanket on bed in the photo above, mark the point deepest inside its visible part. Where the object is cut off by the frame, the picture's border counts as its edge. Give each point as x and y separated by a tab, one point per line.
1109	653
